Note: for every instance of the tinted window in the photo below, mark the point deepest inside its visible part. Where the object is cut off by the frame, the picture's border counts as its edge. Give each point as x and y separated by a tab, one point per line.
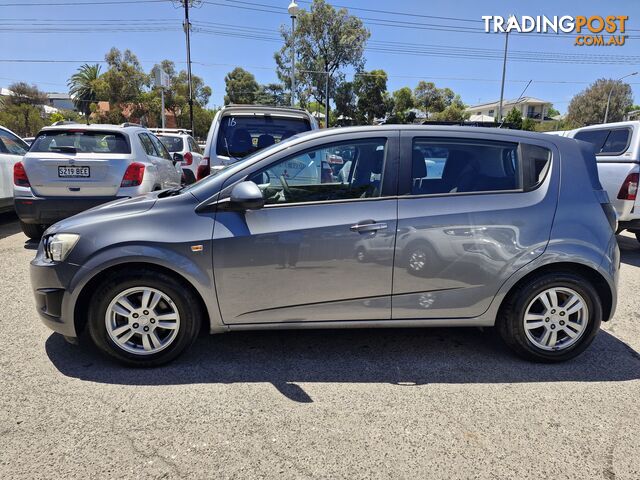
173	144
537	161
240	136
331	172
147	144
11	144
617	141
464	166
606	141
162	152
82	141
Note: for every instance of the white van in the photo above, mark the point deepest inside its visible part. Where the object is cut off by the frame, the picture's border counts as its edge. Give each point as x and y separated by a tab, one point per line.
240	130
617	147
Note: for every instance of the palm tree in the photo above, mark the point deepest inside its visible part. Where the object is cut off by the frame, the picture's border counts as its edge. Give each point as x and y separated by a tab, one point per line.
82	88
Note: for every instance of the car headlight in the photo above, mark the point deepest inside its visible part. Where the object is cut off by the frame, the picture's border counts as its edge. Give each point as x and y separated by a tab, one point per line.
59	245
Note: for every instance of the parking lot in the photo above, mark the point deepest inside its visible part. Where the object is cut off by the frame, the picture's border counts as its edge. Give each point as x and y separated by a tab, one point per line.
431	403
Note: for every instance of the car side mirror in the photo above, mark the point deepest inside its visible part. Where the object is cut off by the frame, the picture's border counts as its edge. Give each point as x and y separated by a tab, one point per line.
177	158
246	196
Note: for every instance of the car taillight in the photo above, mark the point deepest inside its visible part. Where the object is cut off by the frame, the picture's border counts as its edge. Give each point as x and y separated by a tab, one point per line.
188	158
203	169
629	188
133	176
20	178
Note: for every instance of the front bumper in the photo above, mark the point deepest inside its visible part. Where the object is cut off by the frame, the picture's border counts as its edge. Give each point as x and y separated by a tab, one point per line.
49	282
49	210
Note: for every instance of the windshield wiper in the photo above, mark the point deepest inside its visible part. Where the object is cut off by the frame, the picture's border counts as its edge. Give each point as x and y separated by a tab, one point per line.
170	192
65	148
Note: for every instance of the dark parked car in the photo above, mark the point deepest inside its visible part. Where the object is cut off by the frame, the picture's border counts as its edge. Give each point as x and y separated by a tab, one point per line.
420	227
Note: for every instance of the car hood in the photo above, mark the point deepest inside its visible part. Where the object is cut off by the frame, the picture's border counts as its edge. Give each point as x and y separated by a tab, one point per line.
106	211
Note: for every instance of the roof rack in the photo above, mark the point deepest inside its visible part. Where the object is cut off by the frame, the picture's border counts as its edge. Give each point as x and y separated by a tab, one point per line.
129	124
64	122
170	130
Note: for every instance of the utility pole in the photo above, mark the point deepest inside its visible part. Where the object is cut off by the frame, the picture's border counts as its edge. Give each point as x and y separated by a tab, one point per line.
293	11
504	71
187	29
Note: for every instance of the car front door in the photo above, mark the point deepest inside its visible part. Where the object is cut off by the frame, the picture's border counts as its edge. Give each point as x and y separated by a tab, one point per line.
295	259
472	210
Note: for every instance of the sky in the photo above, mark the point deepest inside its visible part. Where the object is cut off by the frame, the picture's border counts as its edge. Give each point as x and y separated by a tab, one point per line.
410	39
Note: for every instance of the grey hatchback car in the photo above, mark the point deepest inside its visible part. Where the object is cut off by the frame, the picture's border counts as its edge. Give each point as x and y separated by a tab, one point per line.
394	226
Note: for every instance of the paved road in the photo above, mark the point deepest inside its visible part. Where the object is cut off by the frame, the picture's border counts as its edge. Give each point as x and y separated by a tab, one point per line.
433	404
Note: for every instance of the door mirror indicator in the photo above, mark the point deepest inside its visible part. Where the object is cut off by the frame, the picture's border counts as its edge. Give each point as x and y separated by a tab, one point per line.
246	196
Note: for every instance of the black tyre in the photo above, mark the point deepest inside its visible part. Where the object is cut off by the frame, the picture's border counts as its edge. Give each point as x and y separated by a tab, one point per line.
553	317
32	230
143	319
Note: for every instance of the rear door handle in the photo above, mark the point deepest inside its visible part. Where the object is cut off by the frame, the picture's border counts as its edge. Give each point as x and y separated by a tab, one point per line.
367	227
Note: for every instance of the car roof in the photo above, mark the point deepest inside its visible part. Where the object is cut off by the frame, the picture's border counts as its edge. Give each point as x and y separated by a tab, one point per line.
94	126
264	109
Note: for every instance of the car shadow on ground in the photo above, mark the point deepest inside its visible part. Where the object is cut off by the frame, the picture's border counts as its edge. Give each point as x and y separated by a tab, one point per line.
394	356
8	224
629	250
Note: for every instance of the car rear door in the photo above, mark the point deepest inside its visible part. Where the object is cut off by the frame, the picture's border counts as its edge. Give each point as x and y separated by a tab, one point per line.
295	259
473	208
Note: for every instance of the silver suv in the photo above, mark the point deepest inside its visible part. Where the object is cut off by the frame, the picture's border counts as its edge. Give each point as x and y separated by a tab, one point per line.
393	226
70	168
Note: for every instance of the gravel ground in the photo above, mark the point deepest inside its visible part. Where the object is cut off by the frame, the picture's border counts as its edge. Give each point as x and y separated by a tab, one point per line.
430	403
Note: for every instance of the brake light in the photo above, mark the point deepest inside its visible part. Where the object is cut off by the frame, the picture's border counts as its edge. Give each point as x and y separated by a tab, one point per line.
133	176
629	188
20	178
188	158
203	169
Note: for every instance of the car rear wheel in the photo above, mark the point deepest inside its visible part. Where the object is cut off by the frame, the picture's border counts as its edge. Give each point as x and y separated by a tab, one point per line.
146	319
32	230
551	318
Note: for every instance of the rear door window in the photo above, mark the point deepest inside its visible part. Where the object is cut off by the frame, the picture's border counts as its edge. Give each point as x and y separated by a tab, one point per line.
464	166
160	148
80	141
606	141
147	144
241	135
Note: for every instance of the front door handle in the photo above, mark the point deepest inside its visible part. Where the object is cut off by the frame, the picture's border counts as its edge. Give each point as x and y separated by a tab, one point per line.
367	227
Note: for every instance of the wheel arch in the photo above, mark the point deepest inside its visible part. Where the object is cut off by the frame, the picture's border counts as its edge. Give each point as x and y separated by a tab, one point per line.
596	278
80	314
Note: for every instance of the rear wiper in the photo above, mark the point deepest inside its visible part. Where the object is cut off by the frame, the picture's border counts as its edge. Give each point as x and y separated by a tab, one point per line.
65	148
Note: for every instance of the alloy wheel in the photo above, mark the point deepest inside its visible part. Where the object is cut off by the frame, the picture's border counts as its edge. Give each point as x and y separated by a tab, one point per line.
556	319
142	320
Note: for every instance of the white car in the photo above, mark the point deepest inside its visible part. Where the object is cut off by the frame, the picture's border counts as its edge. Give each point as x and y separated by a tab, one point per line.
12	149
240	130
617	149
70	168
183	148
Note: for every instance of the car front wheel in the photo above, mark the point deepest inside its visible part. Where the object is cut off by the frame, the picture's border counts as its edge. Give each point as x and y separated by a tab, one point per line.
551	318
146	319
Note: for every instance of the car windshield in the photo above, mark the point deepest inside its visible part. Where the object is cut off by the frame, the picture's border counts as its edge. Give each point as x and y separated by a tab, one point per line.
242	135
173	144
80	141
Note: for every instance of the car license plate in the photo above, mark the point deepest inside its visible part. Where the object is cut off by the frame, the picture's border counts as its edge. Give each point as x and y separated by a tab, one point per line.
73	172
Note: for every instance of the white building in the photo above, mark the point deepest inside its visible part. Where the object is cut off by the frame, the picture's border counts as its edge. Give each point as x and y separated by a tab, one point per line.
529	107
